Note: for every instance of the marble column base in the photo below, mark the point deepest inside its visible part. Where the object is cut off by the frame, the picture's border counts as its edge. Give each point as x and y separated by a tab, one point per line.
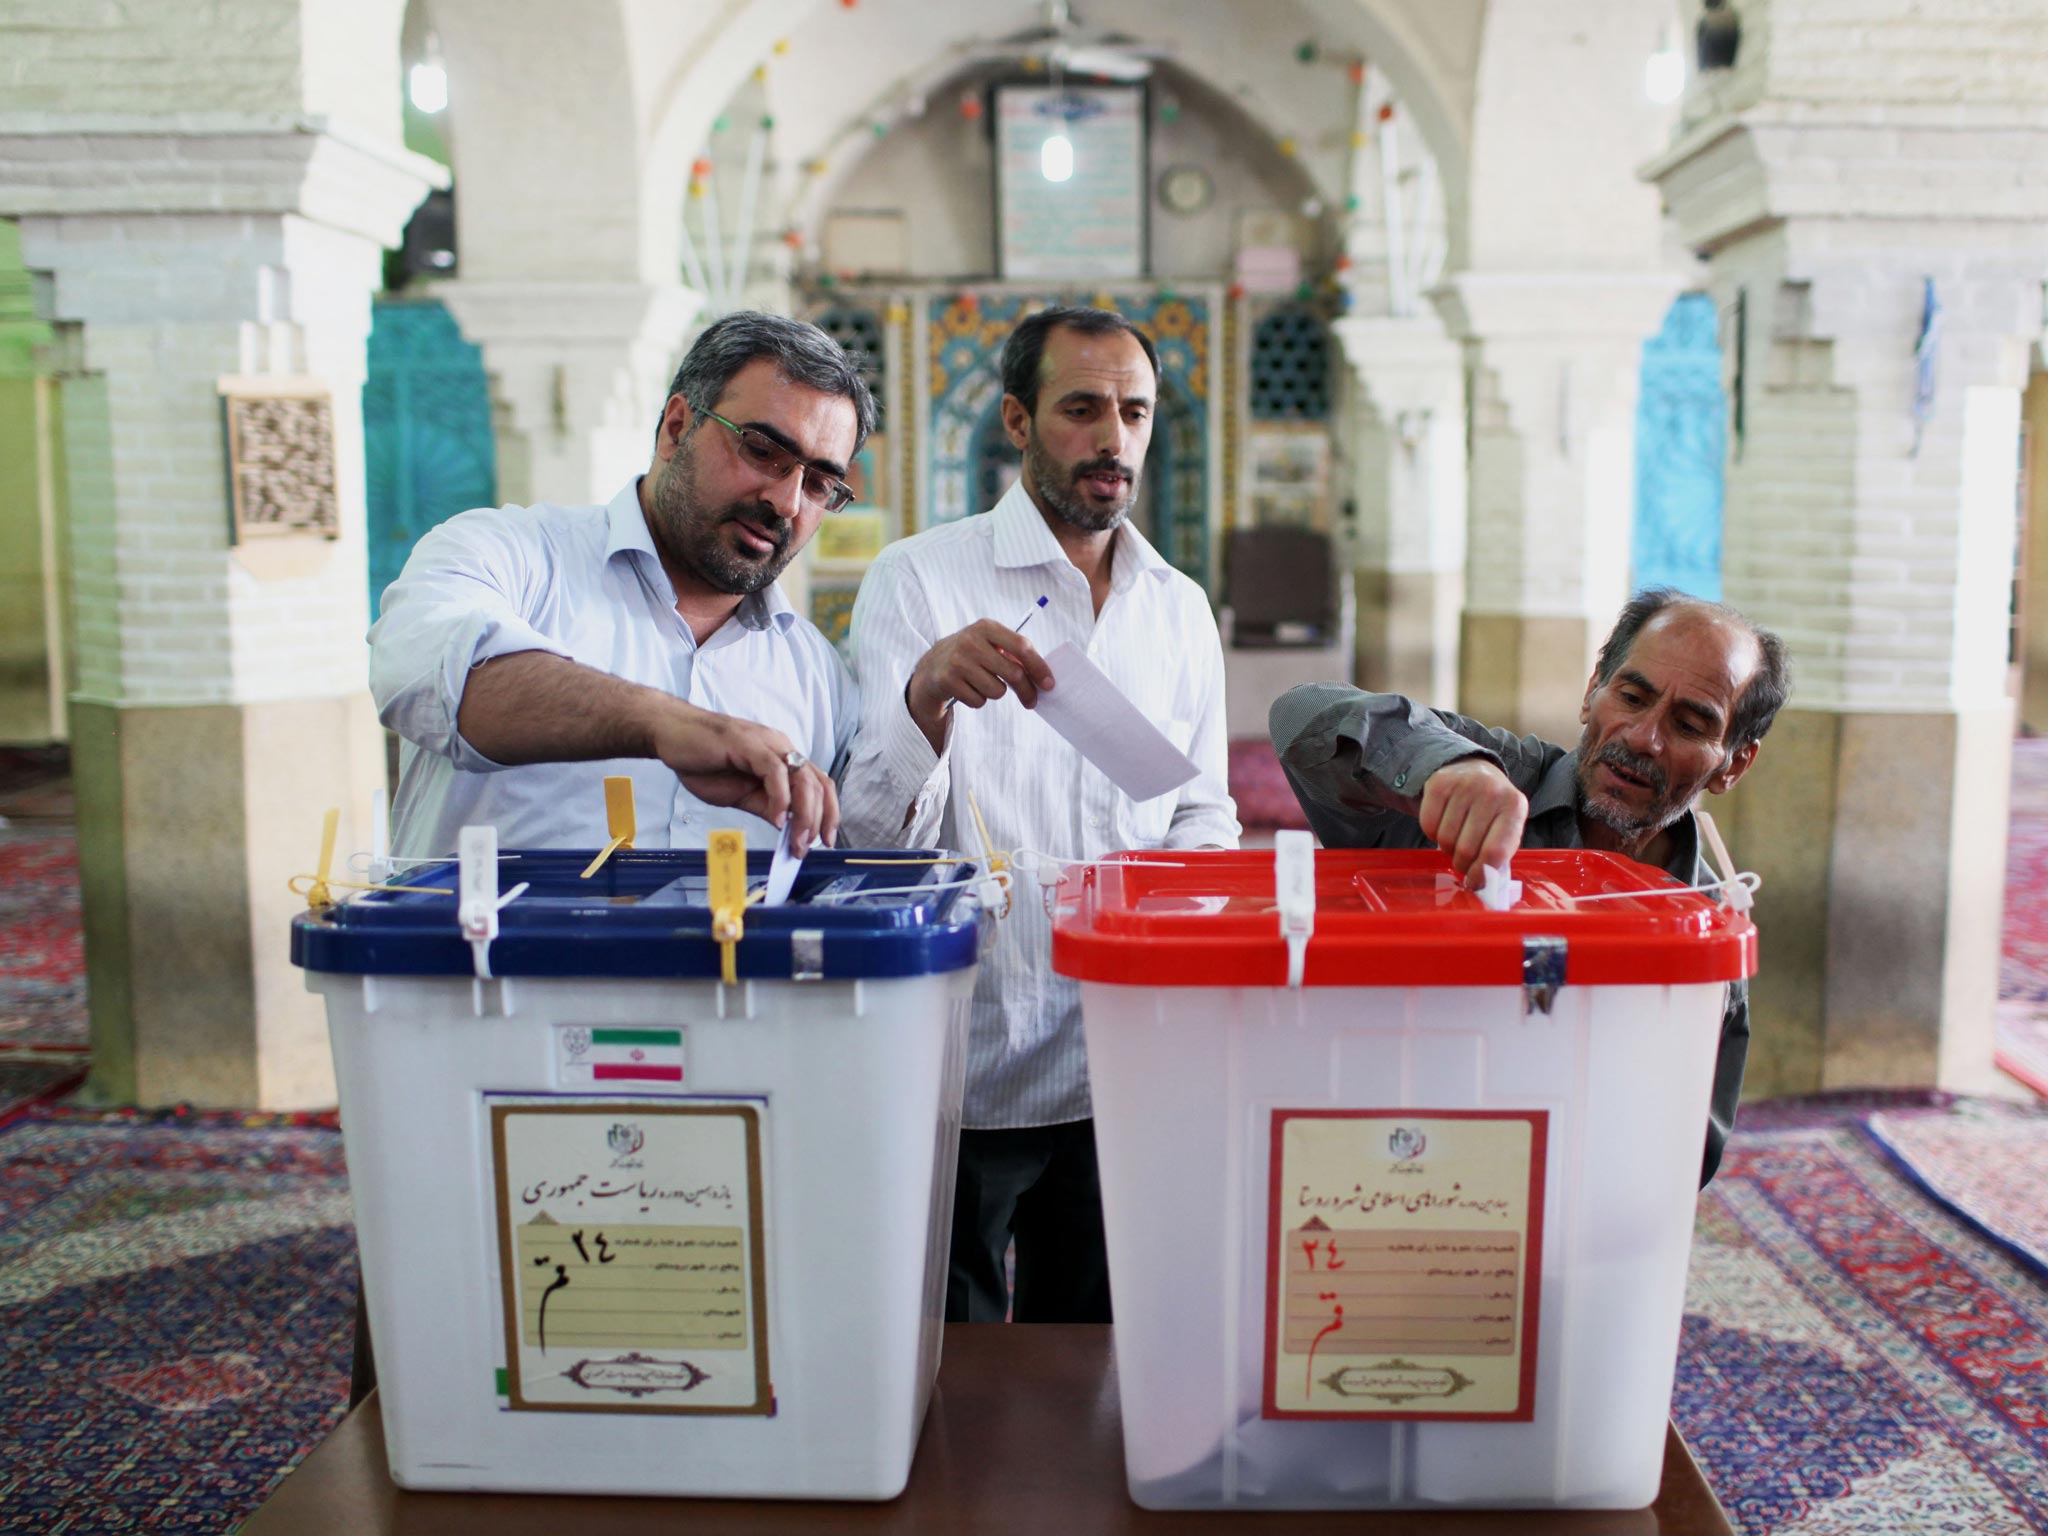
191	821
1525	674
1408	624
1881	842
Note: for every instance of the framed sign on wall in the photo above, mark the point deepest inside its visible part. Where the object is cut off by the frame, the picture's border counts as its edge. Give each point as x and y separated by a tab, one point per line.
1077	210
279	435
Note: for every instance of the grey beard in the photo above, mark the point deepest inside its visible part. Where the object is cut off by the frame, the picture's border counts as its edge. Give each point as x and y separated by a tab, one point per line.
1615	819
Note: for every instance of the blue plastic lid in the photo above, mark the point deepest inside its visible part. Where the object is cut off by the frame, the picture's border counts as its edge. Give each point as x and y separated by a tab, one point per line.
645	914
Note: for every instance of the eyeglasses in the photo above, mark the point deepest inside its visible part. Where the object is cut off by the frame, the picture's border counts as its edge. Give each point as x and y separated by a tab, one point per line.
761	451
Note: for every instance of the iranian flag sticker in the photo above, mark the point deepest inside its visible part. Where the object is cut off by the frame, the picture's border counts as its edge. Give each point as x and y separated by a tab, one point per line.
586	1056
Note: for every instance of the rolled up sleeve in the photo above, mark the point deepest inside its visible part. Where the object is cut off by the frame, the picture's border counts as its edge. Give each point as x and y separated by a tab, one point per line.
894	788
1350	753
456	605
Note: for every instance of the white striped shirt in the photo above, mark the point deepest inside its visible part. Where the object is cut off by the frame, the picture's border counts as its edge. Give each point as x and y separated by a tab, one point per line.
585	583
1156	639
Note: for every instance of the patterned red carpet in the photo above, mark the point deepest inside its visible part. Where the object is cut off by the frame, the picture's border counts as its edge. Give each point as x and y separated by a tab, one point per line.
1857	1359
1990	1167
42	944
176	1300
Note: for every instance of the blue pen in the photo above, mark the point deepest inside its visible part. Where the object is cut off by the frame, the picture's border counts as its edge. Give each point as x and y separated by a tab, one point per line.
1031	615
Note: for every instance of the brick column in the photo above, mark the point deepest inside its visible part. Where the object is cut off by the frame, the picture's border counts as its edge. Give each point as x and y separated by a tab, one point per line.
1406	422
1882	551
221	699
578	374
1555	359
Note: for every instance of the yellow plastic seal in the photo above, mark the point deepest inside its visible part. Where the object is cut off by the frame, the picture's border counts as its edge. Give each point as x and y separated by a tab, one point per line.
618	820
726	864
318	896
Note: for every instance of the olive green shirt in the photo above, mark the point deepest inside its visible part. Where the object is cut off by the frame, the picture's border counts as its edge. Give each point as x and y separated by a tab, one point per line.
1357	763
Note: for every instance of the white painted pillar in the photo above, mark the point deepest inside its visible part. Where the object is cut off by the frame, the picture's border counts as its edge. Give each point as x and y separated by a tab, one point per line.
579	371
1555	362
1882	552
213	207
1406	425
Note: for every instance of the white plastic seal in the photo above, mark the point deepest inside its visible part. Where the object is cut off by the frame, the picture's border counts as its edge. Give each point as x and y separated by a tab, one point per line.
1294	879
477	901
1738	894
1496	891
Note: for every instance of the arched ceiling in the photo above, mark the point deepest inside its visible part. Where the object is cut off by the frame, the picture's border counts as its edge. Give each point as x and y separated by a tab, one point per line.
584	134
840	68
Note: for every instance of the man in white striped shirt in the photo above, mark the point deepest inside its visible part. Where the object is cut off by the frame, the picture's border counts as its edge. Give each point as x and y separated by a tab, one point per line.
1080	386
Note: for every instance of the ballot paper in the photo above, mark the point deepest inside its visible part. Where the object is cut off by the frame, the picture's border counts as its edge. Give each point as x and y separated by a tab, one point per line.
782	869
1085	707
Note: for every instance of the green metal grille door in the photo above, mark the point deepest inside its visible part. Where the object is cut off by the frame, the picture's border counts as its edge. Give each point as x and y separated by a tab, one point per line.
428	447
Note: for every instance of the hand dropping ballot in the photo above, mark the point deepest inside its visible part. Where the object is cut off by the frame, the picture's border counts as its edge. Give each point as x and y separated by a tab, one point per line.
1102	725
782	868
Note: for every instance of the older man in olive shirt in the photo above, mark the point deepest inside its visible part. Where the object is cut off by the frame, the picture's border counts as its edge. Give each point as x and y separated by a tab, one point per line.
1678	702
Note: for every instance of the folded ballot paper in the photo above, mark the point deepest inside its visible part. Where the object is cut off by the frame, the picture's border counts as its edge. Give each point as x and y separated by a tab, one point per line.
1085	707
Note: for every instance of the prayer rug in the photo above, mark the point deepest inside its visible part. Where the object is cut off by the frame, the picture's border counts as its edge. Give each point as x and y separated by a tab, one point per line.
1856	1360
1259	785
2022	1050
42	943
1988	1163
176	1302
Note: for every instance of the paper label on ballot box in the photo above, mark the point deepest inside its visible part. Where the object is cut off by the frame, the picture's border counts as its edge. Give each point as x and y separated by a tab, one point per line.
1404	1253
630	1244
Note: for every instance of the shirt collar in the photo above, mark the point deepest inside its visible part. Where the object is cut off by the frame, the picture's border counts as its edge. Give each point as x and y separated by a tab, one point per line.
626	534
1559	792
1023	539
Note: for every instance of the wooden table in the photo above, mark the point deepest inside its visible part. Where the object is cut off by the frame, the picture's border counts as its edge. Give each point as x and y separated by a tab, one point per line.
1023	1436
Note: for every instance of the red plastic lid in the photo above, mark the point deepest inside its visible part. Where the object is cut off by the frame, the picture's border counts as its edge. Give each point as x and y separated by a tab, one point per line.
1388	919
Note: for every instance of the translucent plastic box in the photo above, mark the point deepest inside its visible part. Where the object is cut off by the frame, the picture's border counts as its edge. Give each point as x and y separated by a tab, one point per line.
1413	1231
627	1227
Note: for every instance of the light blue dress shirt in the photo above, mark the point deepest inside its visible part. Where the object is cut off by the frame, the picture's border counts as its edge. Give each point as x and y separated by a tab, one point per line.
584	583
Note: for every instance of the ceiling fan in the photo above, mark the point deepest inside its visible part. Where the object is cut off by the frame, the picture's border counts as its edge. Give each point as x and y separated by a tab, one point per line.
1069	47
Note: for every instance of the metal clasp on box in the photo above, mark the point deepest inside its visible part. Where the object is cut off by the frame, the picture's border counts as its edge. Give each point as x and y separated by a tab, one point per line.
1542	972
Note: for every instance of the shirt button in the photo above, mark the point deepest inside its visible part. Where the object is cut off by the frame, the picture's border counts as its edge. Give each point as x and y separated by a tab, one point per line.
1400	778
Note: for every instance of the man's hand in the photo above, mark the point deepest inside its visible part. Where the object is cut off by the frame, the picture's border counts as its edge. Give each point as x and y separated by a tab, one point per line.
727	761
533	707
1472	812
981	663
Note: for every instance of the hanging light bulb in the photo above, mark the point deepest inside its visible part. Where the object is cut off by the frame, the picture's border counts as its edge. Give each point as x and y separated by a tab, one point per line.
1664	74
1056	159
427	81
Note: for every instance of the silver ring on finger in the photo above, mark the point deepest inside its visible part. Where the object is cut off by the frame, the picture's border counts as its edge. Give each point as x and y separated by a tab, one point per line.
794	760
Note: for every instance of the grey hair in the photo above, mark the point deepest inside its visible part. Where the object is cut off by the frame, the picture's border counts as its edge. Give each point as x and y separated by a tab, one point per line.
801	352
1768	688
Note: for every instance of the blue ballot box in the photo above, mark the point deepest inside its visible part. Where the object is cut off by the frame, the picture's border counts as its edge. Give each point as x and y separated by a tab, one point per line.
647	1205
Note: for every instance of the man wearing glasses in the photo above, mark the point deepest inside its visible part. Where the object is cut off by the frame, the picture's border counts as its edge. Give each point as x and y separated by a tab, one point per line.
527	652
